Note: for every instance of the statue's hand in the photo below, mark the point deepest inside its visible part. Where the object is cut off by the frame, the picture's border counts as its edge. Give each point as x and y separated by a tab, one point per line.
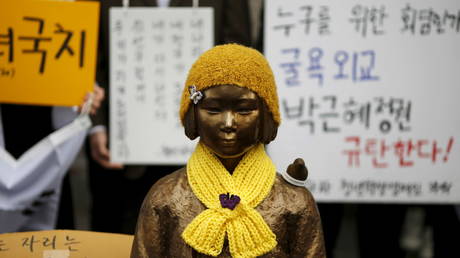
298	170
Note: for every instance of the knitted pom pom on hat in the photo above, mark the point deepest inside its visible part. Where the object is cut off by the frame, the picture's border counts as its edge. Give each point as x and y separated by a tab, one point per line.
232	64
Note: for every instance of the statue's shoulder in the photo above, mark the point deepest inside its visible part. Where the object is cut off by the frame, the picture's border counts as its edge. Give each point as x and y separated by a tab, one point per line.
295	194
165	189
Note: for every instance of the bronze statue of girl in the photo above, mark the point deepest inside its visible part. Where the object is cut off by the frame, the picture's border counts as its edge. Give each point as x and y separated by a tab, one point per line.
229	201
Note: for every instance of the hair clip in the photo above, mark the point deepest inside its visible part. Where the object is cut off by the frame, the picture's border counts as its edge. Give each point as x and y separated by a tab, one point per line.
195	95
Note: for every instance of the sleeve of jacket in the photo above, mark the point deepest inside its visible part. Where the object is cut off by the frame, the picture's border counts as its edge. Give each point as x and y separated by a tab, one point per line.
236	26
102	68
147	240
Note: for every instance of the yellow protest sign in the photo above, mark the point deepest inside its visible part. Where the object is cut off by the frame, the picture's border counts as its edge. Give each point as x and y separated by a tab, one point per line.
47	51
65	244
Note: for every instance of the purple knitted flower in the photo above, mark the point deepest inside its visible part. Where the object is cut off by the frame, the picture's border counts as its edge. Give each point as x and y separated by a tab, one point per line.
228	201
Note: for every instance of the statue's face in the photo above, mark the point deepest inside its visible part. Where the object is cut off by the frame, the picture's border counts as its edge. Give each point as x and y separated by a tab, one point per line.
228	120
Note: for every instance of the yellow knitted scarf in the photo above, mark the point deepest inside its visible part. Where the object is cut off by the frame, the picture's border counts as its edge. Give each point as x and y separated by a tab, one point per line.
248	234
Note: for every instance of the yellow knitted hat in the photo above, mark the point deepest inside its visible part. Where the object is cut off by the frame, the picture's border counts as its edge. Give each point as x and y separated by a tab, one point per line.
237	65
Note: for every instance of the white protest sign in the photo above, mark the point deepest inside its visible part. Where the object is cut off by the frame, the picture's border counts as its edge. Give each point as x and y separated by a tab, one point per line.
368	95
151	51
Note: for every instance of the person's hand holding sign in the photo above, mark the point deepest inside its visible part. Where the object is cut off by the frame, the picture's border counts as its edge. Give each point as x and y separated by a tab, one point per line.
98	95
99	140
100	151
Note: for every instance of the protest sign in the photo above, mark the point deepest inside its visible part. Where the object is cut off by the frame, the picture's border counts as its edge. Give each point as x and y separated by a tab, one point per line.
151	51
368	93
47	51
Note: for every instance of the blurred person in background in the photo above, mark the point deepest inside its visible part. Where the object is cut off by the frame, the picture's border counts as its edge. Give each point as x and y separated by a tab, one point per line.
117	190
21	128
